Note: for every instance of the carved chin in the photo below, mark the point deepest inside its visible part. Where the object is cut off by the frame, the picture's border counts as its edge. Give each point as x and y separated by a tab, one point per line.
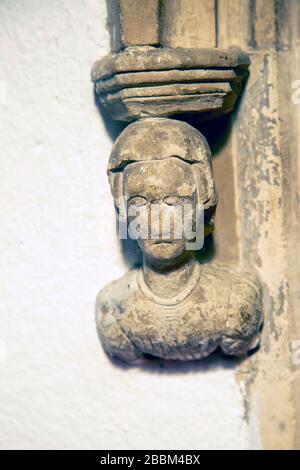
162	250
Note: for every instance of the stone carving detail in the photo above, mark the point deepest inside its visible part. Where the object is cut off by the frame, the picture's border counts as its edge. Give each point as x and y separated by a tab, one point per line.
160	169
148	81
173	307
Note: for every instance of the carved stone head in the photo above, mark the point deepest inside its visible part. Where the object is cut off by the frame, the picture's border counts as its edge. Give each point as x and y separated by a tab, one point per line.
166	165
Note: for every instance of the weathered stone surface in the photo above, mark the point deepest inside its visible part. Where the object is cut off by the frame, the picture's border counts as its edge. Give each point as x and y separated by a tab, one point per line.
145	81
221	308
264	145
189	23
125	81
165	58
173	307
133	23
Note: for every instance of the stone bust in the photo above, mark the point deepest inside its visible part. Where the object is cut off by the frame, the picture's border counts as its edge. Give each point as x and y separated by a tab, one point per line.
172	307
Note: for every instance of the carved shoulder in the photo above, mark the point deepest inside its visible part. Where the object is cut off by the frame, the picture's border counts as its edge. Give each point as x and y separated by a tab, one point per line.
246	298
108	309
244	315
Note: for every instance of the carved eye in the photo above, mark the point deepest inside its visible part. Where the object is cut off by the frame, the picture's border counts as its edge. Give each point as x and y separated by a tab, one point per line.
138	201
172	200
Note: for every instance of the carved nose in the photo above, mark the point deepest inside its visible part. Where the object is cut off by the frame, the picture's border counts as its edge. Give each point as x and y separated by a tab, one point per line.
163	221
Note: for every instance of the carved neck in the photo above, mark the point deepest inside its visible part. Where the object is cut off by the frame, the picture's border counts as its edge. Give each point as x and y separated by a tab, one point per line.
172	281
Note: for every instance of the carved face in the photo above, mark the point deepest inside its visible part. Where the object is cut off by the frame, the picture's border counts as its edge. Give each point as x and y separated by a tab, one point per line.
159	193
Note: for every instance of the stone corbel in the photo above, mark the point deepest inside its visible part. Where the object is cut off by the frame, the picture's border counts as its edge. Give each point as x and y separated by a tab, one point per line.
172	307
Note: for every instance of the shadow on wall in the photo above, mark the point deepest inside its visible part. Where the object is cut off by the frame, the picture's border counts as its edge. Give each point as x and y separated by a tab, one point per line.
131	253
216	361
114	128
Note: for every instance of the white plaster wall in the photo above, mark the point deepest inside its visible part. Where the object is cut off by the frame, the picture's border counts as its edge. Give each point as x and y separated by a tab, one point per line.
58	390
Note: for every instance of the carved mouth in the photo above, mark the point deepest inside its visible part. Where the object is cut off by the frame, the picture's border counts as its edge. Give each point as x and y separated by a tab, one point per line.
163	242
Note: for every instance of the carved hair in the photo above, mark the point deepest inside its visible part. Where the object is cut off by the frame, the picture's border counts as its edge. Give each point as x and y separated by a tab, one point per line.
159	138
